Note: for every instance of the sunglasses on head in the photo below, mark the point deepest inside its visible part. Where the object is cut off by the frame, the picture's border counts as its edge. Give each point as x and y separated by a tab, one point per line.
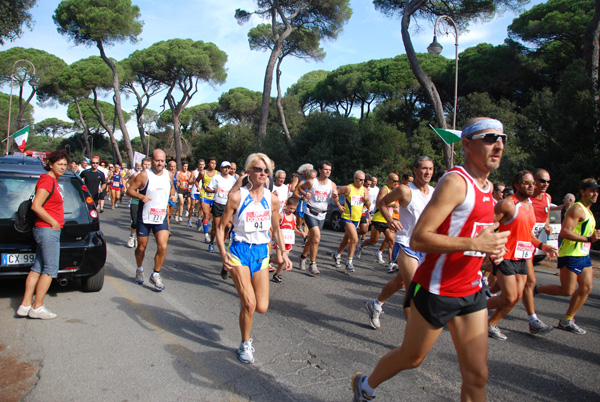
260	170
543	181
490	138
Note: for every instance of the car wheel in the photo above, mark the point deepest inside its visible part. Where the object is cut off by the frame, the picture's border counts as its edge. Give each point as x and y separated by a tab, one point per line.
336	222
93	283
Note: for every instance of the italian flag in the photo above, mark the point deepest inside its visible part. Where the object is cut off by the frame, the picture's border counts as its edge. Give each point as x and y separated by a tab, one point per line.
21	138
449	136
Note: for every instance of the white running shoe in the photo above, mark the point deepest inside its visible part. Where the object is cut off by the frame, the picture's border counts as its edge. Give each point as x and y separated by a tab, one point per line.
23	311
131	241
42	313
379	257
358	251
139	276
158	283
373	314
246	352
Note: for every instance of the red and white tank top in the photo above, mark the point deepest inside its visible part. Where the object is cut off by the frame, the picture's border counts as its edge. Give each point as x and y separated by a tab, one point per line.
541	207
459	274
519	243
287	229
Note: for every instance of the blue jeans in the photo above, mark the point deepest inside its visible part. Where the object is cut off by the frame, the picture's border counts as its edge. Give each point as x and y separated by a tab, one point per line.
48	251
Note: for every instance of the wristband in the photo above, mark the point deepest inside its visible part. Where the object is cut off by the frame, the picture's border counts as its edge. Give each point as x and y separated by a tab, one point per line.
589	239
541	246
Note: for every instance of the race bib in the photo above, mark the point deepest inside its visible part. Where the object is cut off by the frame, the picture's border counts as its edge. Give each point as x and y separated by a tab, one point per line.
477	229
585	247
538	228
257	221
524	250
320	196
356	200
184	185
157	215
116	184
223	194
289	237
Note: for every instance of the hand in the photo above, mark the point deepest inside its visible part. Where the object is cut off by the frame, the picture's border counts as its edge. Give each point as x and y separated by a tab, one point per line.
287	262
595	236
173	198
145	199
55	226
341	208
548	230
551	252
396	225
490	242
227	265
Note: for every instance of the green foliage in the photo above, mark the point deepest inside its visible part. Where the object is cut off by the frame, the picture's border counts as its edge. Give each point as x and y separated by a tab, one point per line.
89	112
240	105
84	76
53	127
88	22
15	14
14	111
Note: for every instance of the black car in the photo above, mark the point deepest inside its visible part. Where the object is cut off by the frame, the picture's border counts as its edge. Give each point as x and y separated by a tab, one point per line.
333	219
82	244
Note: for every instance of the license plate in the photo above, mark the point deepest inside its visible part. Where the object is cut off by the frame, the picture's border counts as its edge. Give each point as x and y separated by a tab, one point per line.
17	259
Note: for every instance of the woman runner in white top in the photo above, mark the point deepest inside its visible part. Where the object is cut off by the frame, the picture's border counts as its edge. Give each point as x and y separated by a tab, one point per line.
254	210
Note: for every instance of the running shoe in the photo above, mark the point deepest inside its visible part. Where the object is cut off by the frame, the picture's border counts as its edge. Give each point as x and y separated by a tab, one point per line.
305	240
211	248
349	267
567	325
206	238
113	207
23	311
379	257
41	313
198	225
246	352
277	278
359	394
224	274
537	327
393	267
337	260
302	262
158	283
313	270
272	268
494	332
358	250
373	314
131	241
189	223
186	213
139	276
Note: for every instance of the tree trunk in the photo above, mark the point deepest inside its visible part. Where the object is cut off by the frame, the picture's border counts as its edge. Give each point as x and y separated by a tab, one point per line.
425	81
86	131
288	137
23	106
177	138
592	59
98	112
117	98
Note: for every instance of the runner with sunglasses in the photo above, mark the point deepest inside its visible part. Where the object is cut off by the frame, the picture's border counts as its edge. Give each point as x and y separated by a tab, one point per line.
456	231
254	211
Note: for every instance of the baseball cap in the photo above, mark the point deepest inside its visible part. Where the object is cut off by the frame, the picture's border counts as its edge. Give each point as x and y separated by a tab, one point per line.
225	163
589	184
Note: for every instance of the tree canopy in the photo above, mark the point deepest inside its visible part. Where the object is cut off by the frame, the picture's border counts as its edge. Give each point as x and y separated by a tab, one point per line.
15	14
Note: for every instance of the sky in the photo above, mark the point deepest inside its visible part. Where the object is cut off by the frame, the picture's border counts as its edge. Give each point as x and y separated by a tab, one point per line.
368	35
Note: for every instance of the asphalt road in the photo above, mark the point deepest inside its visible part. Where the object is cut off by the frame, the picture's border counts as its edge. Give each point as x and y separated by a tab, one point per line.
131	343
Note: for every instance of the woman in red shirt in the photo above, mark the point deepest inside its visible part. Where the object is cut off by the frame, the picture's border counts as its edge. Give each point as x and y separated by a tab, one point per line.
48	206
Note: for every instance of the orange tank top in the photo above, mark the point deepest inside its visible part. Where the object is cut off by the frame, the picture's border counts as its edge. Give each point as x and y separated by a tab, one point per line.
519	243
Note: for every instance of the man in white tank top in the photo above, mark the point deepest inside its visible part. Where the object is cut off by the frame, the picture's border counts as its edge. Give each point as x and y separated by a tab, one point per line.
155	187
319	190
412	198
280	188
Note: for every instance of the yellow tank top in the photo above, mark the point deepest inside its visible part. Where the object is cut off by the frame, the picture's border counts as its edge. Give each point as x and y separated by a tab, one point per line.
570	248
205	181
378	217
354	204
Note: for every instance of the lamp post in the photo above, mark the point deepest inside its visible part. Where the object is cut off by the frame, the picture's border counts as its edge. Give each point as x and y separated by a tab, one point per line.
434	49
12	75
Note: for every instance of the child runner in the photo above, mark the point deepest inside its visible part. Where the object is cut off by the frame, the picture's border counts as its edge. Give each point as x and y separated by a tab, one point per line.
288	229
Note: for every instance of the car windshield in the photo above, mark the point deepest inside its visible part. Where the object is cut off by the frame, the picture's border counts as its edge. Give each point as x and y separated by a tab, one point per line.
15	188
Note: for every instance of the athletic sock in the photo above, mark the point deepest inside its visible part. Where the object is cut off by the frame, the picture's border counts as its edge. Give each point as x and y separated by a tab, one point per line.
205	226
367	388
337	255
303	257
378	304
568	317
313	262
533	317
141	269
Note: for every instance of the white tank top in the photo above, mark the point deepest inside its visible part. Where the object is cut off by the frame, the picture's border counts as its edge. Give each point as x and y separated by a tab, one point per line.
252	220
282	194
158	188
410	215
320	194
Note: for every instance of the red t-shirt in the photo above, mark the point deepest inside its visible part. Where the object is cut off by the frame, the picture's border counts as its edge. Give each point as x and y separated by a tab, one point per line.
541	207
54	205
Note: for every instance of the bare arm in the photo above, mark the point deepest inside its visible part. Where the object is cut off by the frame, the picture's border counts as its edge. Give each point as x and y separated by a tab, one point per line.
277	235
399	194
138	183
449	194
232	205
301	192
574	215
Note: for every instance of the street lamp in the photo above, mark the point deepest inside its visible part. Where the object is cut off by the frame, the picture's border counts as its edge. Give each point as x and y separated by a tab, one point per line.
32	81
434	49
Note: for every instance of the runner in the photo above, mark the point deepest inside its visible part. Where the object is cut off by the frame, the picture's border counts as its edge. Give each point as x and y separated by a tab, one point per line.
379	224
183	191
365	218
116	182
153	187
281	189
541	201
220	185
288	230
134	202
412	198
207	198
578	233
446	289
318	192
354	203
94	179
305	173
516	216
195	195
172	167
254	210
104	169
